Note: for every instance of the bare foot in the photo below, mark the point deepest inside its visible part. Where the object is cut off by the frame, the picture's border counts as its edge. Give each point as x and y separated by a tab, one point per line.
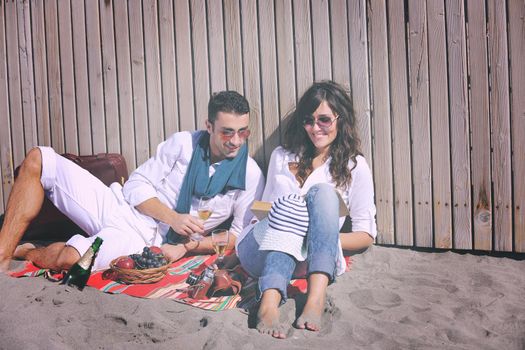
22	250
311	317
268	322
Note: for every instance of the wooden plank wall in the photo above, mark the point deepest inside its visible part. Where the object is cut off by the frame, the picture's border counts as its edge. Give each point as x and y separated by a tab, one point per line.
438	89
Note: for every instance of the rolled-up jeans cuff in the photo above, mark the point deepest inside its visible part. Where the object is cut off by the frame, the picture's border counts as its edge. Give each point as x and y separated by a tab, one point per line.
273	281
323	263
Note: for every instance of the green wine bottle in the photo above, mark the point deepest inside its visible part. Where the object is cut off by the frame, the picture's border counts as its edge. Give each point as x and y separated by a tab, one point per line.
79	273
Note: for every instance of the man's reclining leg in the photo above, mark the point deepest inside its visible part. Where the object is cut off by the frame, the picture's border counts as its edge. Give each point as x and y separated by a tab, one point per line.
25	201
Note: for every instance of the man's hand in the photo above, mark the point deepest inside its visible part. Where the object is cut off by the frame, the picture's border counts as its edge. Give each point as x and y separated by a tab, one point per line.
173	252
186	224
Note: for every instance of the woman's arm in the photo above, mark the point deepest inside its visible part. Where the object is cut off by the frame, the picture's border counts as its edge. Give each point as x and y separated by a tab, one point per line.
355	240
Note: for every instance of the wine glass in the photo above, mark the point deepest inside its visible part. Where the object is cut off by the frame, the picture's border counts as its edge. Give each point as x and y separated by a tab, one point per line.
204	211
219	240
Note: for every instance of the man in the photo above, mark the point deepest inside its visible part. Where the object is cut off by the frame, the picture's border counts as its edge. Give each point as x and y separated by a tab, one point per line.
159	195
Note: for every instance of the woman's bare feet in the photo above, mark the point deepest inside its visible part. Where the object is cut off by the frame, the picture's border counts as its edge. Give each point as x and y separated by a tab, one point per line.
268	315
310	318
313	309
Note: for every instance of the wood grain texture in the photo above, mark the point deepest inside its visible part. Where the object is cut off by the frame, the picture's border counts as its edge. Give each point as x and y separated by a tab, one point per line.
517	83
480	126
153	84
109	76
500	118
420	123
138	71
440	125
401	150
201	60
124	84
459	124
382	151
83	108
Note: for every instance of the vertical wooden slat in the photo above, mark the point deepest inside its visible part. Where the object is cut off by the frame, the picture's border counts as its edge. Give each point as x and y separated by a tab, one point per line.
96	87
381	122
26	75
40	64
359	68
138	81
109	73
303	45
437	62
154	93
252	79
200	58
53	76
184	65
517	83
321	40
234	61
339	43
403	205
168	67
285	59
459	123
480	125
85	143
125	94
6	164
216	44
68	76
15	92
420	123
270	109
500	117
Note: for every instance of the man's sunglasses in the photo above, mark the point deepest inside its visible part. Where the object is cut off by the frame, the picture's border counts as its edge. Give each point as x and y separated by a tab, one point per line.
323	121
227	134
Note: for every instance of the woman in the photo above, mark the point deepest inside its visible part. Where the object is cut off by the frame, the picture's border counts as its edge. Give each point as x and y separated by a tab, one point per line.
320	155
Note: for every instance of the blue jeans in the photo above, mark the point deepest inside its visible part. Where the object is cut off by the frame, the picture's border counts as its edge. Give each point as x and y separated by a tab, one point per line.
275	269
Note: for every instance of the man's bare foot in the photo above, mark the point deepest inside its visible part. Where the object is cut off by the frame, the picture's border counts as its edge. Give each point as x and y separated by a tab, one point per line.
22	250
268	322
310	318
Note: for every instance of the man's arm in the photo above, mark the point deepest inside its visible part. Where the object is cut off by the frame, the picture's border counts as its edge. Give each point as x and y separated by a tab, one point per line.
183	224
177	251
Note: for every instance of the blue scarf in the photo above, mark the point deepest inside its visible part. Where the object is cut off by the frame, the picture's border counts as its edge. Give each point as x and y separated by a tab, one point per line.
230	174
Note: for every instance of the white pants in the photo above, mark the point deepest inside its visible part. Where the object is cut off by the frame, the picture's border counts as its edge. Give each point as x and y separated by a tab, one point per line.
99	210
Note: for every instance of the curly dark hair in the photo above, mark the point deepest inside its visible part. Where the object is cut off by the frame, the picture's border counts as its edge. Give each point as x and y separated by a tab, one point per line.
347	143
227	102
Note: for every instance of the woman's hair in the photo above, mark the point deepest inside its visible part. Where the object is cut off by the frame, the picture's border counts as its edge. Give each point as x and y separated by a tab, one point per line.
346	145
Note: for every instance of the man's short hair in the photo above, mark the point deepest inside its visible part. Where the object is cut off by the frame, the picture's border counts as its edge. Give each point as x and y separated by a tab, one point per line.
227	102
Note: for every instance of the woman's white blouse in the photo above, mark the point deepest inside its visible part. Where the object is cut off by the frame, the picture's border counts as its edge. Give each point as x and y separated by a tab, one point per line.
358	197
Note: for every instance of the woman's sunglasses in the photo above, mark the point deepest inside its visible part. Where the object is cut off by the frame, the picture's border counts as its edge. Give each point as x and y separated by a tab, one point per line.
323	121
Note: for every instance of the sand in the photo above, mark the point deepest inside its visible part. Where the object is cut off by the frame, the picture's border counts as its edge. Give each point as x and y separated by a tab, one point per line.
392	299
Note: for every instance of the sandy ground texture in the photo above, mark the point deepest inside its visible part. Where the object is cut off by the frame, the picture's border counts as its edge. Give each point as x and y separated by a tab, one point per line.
392	299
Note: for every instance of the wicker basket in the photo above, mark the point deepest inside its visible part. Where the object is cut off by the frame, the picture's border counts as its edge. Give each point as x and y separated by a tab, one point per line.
135	276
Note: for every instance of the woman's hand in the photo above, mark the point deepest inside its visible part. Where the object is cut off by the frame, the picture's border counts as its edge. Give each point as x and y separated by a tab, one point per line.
173	252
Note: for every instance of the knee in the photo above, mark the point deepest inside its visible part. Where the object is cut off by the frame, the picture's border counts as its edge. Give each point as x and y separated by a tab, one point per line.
322	192
67	257
32	164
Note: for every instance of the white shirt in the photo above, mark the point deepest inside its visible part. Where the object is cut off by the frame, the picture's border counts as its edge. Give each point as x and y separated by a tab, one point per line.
358	197
162	175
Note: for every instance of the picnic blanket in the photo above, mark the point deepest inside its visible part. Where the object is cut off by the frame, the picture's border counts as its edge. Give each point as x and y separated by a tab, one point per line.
173	285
